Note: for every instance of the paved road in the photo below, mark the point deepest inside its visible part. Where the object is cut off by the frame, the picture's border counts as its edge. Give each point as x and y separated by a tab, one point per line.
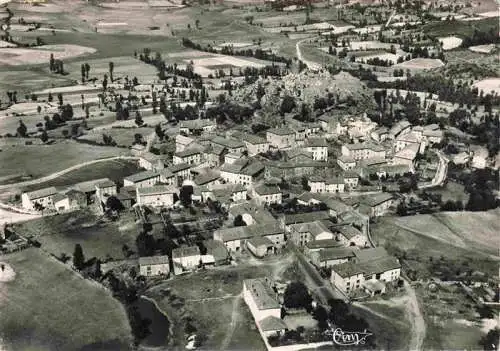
440	176
64	171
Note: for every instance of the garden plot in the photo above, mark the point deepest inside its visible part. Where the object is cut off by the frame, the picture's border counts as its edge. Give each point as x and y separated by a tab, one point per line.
488	85
21	56
206	66
370	45
483	49
421	63
450	43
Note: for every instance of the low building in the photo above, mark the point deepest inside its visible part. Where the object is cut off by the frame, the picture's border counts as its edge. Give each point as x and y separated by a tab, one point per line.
346	162
214	155
39	199
260	246
152	162
406	156
399	128
181	172
297	218
186	259
217	250
255	145
224	193
363	151
183	142
331	184
380	134
157	196
142	179
105	189
327	258
208	178
378	204
154	266
303	233
351	180
266	195
197	126
235	238
280	138
261	299
352	236
318	147
231	145
61	202
243	171
192	156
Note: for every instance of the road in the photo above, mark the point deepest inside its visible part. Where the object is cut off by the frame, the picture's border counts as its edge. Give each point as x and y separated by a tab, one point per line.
310	64
64	171
322	287
440	176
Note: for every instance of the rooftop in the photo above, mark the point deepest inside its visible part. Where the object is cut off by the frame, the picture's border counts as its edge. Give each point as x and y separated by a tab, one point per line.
207	177
196	123
152	260
188	152
216	249
157	190
377	199
335	253
229	143
267	189
316	142
107	183
262	293
185	251
260	241
315	228
139	177
323	244
306	217
45	192
280	131
179	167
348	231
272	323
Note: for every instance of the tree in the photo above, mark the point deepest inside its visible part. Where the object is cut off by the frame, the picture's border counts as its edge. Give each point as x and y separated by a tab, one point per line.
239	222
185	195
159	132
105	82
87	70
321	315
297	296
82	69
287	105
114	204
146	244
44	137
111	69
60	99
67	112
52	63
22	130
490	340
138	139
78	258
138	119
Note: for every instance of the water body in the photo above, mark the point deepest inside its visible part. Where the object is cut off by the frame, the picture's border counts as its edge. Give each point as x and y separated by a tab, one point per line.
159	326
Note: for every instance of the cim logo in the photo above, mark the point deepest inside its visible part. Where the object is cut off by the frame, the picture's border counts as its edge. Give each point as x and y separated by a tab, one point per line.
345	338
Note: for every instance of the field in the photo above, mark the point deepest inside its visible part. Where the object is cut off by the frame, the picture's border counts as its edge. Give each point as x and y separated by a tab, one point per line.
26	80
483	49
459	28
450	43
59	234
122	136
420	63
20	56
38	161
215	307
115	170
452	191
49	307
489	85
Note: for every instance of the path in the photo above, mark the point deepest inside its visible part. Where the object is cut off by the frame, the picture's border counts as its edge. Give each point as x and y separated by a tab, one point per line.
234	319
417	320
375	313
310	64
64	171
441	172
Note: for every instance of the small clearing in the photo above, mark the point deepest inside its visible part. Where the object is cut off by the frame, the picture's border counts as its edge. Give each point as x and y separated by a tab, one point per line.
450	43
488	85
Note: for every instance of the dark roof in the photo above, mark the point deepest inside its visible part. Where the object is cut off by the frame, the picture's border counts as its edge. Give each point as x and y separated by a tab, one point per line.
105	184
152	260
306	217
139	177
348	231
260	241
188	152
335	253
377	199
157	189
45	192
206	177
323	244
229	143
267	190
216	249
185	251
316	142
179	167
280	131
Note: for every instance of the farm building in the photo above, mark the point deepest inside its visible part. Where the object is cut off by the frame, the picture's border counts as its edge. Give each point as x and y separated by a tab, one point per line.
185	259
154	265
42	198
157	196
142	179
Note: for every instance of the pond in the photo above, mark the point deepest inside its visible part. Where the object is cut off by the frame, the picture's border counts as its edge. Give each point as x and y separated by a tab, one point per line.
159	326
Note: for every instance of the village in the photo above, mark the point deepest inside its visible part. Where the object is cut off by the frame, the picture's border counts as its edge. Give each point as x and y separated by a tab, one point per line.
310	167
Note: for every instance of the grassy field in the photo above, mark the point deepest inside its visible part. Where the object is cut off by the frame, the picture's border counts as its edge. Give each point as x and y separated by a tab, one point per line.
115	170
26	80
39	161
452	191
48	307
59	234
214	306
460	28
122	136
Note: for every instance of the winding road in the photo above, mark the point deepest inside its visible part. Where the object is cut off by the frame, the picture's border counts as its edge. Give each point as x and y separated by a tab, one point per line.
310	64
440	176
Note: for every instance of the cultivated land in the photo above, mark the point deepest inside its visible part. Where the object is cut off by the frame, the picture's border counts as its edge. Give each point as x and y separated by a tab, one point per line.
41	160
48	307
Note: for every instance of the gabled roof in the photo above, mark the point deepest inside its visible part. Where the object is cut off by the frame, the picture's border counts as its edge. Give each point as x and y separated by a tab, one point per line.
156	190
306	217
260	241
316	142
58	197
179	167
188	152
280	131
254	139
314	228
105	184
216	249
262	294
323	244
45	192
206	177
229	143
141	176
348	231
335	253
153	260
183	140
377	199
267	190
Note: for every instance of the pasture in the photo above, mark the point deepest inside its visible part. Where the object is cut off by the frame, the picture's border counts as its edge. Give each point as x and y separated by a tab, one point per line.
22	56
420	64
488	85
41	160
49	307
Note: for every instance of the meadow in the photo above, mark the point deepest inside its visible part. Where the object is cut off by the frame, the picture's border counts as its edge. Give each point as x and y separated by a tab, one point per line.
49	307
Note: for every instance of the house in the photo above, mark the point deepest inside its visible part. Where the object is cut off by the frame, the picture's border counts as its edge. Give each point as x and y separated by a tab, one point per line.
280	138
192	155
406	139
126	198
261	299
255	145
77	199
346	162
287	169
380	134
329	257
167	177
152	162
433	136
224	193
360	128
154	265
298	156
61	202
266	195
353	237
290	219
208	178
142	179
181	171
399	128
214	155
231	145
406	156
251	213
377	205
197	126
217	250
363	151
373	265
302	233
157	196
186	258
105	189
260	246
232	157
183	142
300	134
332	125
243	172
39	199
351	180
318	147
235	238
